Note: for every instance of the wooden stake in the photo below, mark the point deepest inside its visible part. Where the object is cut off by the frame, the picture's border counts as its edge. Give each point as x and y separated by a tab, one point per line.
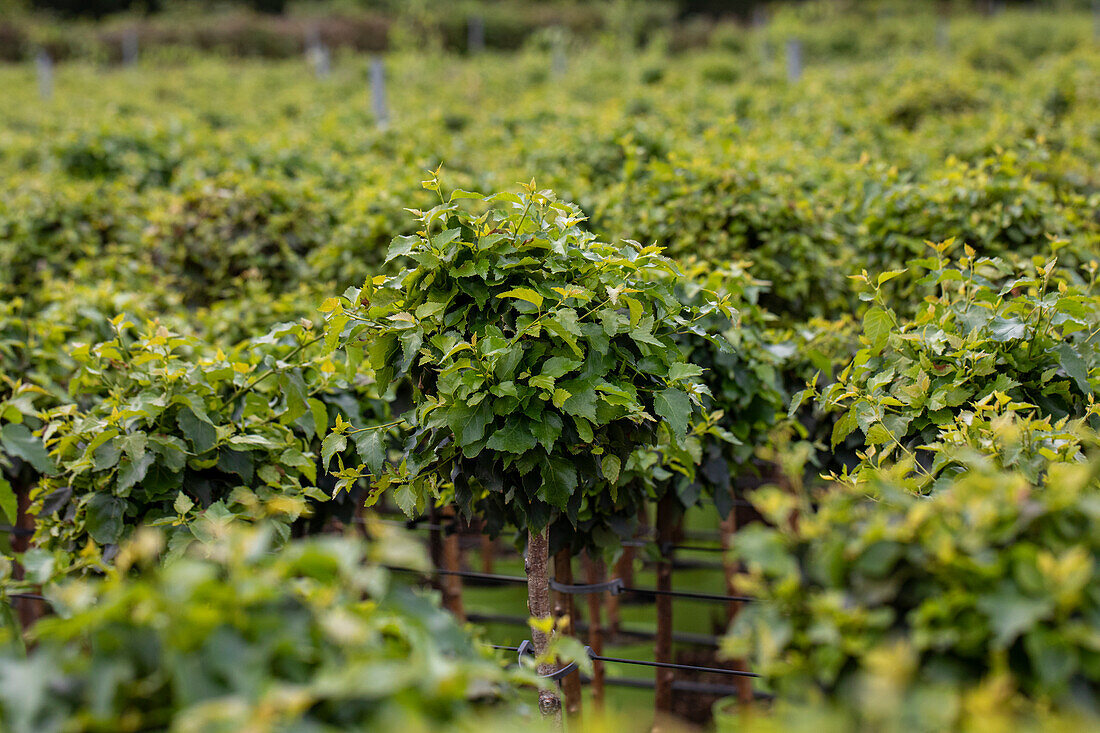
452	561
666	527
538	604
564	607
595	572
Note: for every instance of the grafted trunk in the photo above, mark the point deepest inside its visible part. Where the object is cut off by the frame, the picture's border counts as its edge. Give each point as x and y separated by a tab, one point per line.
564	608
538	604
595	572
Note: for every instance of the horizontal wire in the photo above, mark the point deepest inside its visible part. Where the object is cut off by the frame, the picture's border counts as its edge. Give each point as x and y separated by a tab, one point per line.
517	579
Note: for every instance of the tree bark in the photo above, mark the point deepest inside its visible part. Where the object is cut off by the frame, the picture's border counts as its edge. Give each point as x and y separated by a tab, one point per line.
564	608
452	561
729	528
538	604
30	610
666	525
595	573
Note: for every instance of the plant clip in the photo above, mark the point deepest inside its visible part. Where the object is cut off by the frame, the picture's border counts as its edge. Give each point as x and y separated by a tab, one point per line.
614	587
557	675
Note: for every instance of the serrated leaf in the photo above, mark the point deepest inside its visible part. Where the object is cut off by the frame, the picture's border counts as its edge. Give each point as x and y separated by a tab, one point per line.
514	437
332	444
675	407
877	324
103	518
9	503
19	441
681	371
200	433
611	465
368	444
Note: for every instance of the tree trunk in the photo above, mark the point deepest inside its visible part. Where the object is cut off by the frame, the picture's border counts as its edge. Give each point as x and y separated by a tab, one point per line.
30	610
488	552
666	525
538	604
595	573
729	528
564	607
624	570
452	561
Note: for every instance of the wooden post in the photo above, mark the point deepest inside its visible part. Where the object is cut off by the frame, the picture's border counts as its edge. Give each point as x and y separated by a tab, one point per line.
452	561
564	608
536	564
666	527
729	567
595	572
624	570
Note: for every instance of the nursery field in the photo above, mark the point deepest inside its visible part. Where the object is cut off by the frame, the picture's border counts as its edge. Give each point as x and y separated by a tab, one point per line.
803	320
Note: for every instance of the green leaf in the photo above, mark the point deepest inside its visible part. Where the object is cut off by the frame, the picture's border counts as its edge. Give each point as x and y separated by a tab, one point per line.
9	503
371	451
1074	366
1011	613
183	503
332	444
200	433
559	479
611	465
547	429
674	406
581	400
18	441
1006	329
681	371
468	423
526	294
514	437
401	246
559	366
104	518
877	324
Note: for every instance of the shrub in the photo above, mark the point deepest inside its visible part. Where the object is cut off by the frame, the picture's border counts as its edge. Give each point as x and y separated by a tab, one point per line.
235	635
221	229
985	340
541	359
167	429
992	577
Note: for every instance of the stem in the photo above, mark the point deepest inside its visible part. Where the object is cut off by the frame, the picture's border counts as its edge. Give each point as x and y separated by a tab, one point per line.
256	380
538	604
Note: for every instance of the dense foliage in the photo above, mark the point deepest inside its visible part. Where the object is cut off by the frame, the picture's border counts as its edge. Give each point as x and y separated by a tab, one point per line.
215	306
990	576
233	635
540	357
